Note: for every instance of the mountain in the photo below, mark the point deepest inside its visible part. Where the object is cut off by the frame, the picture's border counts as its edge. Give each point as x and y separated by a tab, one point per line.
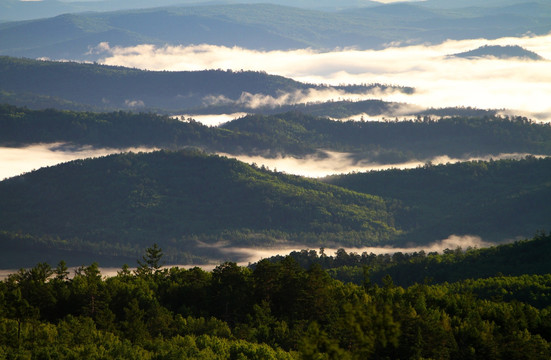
265	26
186	201
496	200
71	85
500	52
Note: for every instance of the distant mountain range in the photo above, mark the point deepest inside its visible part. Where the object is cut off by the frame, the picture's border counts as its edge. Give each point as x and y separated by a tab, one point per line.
500	52
267	26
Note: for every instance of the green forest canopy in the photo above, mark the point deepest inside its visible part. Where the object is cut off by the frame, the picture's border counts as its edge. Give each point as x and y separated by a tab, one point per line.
116	204
278	310
291	134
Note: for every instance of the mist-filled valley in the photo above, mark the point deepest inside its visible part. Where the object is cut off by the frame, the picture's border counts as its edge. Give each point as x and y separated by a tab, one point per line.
294	180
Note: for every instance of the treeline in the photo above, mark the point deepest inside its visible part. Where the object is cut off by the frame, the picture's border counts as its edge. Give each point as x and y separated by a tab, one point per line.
291	134
514	259
396	141
276	311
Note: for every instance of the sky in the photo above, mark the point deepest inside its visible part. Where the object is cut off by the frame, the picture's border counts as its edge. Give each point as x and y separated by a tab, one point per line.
522	87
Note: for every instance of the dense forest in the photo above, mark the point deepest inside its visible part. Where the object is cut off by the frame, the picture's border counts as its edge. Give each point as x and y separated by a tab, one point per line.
374	279
522	257
288	134
116	204
507	196
278	310
195	205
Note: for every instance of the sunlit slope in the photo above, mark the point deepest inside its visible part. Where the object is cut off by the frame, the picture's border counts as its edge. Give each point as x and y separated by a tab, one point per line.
497	200
177	199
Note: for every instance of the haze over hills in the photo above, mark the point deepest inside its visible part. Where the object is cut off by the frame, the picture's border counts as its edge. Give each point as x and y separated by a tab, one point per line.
40	84
170	192
13	10
266	26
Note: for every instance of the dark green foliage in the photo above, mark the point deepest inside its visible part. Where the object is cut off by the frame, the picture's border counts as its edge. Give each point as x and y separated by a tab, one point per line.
496	200
279	310
116	204
116	129
292	134
396	141
513	259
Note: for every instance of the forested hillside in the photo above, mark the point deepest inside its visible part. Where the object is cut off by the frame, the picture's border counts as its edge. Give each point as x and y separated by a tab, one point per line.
507	196
288	134
276	311
70	85
187	201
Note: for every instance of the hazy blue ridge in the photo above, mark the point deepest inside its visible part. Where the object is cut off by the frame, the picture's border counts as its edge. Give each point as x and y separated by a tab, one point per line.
268	27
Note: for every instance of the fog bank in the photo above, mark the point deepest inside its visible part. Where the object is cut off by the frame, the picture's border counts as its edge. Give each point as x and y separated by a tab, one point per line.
344	163
252	255
519	85
16	161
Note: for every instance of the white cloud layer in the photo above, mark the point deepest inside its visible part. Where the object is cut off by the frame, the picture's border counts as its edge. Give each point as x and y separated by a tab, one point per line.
343	163
519	85
15	161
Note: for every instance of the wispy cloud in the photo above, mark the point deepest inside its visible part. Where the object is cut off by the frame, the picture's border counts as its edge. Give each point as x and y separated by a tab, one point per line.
519	85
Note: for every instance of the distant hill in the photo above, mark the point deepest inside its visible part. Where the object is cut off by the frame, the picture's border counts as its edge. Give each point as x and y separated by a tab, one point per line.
13	10
500	52
267	26
70	85
186	201
289	134
496	200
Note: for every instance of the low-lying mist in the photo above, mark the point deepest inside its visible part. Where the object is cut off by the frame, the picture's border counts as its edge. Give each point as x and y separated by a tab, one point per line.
245	256
15	161
342	163
519	86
